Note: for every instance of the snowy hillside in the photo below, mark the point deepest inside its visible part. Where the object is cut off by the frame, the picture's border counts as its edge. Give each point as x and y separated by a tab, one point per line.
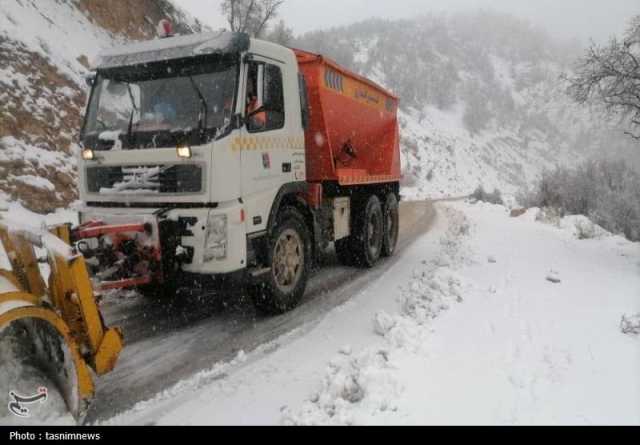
481	96
46	47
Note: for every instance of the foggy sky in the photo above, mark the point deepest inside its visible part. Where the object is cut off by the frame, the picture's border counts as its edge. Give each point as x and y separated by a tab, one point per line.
566	19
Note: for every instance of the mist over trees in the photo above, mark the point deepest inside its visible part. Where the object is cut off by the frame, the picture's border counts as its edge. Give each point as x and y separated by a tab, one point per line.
280	34
609	75
484	62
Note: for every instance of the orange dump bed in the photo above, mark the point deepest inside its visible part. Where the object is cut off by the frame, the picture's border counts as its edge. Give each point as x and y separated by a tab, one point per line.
353	136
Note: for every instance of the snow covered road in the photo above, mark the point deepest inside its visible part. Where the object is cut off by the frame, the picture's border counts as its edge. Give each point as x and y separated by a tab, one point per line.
465	328
166	343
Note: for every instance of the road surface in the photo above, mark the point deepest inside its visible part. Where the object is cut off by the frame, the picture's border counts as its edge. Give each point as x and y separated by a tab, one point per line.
166	343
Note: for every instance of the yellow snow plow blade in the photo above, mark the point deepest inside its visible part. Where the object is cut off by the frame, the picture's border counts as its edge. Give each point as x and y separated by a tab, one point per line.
57	327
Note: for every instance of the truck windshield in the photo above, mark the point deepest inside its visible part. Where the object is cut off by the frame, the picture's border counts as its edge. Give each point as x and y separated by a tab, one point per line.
141	103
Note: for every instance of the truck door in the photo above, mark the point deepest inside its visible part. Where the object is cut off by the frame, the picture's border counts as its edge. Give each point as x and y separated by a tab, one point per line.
266	141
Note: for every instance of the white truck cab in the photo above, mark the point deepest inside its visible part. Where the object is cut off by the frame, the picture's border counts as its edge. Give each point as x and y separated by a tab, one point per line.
148	100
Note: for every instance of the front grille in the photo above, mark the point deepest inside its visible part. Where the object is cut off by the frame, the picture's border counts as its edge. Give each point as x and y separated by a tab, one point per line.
149	179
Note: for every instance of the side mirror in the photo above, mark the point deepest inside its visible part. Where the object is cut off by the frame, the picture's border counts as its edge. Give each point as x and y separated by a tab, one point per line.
90	79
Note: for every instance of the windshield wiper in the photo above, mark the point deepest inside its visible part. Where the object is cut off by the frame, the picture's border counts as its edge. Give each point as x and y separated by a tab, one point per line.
204	107
133	111
130	140
133	100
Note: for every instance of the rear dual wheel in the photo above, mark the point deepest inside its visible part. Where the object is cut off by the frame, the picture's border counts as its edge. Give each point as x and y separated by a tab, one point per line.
391	213
364	247
374	233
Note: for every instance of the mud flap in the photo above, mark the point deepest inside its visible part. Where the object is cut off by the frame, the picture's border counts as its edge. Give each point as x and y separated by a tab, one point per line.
38	351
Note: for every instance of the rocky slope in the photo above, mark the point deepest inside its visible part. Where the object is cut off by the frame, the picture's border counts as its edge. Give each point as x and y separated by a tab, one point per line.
46	47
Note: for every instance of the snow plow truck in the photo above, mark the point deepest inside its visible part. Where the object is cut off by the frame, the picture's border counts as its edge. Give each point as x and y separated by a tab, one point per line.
203	157
220	156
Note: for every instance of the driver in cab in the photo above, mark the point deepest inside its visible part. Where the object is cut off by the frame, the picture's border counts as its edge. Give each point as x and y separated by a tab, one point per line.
257	119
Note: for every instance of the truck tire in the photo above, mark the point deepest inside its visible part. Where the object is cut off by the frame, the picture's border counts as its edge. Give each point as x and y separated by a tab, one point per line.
391	225
289	260
366	240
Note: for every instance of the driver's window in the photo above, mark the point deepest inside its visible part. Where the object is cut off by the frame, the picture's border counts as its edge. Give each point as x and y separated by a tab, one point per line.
265	98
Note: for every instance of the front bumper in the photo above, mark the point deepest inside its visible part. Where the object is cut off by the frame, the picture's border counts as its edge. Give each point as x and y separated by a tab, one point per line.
193	236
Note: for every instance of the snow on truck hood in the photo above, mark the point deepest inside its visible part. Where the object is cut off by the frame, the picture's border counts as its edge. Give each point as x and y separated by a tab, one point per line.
173	48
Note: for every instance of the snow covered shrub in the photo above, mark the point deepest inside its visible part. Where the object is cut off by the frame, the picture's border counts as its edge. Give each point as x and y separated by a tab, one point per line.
607	192
585	230
630	325
549	215
492	198
583	227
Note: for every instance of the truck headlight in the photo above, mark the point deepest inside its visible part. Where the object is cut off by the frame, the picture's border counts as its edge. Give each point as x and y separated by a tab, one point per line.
216	240
184	152
88	154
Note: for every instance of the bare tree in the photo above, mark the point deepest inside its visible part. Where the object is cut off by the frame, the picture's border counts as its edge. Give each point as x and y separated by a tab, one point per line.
610	75
250	16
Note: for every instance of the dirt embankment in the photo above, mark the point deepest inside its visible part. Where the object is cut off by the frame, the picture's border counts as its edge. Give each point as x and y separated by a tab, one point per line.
135	19
44	115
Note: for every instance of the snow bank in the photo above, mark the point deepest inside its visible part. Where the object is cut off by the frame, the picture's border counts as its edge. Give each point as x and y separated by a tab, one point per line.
366	388
430	293
365	383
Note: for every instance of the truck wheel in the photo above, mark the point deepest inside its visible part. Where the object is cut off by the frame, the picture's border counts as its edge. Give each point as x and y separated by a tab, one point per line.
391	225
289	258
367	237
